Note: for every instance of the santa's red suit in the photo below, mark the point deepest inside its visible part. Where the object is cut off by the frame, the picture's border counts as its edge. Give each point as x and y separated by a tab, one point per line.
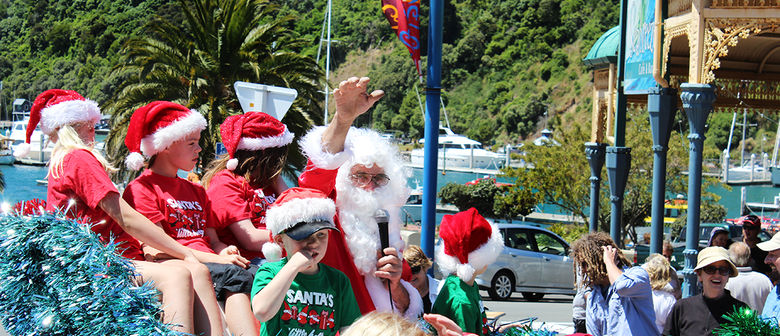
353	251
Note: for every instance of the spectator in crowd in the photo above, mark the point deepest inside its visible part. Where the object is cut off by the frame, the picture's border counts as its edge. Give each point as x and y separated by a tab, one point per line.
772	305
674	280
427	285
751	227
749	286
469	244
579	303
663	299
719	236
297	295
364	175
621	299
247	179
79	186
702	314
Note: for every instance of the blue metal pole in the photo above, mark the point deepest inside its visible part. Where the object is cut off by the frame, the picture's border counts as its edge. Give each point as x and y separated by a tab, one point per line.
619	157
697	101
661	106
595	154
432	96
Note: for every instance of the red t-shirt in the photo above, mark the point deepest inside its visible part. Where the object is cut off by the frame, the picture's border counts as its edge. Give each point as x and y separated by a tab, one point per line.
181	206
84	180
238	201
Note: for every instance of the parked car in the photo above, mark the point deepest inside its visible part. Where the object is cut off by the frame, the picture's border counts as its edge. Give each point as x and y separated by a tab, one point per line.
534	262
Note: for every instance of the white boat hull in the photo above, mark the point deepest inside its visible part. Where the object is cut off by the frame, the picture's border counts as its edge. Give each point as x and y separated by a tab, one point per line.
455	158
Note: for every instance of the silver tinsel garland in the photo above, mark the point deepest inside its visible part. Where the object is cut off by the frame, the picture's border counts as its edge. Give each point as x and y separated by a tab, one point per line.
58	278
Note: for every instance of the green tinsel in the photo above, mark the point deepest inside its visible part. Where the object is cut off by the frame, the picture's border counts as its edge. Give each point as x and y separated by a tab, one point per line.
525	330
57	278
744	321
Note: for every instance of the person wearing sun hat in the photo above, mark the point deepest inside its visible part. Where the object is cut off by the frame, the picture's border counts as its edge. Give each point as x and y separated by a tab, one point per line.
298	295
469	244
247	179
702	314
772	304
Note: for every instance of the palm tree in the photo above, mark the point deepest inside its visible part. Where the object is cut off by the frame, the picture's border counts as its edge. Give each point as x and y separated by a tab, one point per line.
196	65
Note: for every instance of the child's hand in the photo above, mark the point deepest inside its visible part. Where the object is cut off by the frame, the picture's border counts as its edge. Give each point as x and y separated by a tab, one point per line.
443	325
352	98
235	259
301	260
229	250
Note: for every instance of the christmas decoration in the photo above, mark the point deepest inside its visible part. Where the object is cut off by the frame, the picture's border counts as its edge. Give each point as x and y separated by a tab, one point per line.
59	279
524	330
744	321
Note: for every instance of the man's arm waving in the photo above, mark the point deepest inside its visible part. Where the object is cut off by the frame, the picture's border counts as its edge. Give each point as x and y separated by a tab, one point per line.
352	100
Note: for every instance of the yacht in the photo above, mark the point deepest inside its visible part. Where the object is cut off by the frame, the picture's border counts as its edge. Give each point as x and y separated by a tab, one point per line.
40	146
458	151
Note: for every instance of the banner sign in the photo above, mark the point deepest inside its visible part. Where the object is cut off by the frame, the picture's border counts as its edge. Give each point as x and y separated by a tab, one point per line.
640	43
404	18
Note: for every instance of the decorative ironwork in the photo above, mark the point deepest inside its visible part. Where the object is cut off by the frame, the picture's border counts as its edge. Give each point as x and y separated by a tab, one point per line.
720	34
745	4
671	32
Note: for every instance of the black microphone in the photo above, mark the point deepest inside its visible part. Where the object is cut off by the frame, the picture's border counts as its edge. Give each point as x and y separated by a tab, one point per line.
382	220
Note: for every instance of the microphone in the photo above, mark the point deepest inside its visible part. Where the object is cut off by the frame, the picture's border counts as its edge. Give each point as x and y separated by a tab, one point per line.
382	220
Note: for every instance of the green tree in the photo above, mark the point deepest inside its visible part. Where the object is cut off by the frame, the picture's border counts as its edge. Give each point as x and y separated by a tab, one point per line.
196	64
490	199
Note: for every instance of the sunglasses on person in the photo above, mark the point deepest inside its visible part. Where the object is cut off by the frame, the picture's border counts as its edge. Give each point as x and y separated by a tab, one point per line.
363	179
416	269
724	270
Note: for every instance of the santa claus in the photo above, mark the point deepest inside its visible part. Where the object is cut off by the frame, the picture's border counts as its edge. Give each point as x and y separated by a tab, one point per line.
362	173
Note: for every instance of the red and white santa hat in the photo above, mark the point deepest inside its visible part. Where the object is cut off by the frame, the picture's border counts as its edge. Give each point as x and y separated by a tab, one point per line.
298	212
470	243
156	126
55	108
252	131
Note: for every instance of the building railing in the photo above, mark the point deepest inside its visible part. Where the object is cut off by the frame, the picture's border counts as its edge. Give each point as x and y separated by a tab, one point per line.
745	4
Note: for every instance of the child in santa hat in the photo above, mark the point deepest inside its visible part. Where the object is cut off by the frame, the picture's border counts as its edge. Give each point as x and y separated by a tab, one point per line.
168	134
247	179
80	187
469	244
297	295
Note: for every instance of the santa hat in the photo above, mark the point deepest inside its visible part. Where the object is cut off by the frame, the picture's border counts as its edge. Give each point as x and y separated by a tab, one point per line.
298	212
55	108
470	243
252	131
156	126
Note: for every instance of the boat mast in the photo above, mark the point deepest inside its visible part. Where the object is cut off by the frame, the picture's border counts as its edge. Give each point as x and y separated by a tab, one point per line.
326	22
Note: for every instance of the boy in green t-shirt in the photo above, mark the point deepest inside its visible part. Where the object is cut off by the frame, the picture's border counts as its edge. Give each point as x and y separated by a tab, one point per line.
469	244
296	295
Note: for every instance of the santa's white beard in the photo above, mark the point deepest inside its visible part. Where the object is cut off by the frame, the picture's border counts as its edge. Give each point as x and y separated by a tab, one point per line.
357	208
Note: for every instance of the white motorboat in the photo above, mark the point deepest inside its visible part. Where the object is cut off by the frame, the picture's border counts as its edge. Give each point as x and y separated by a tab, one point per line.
40	146
458	151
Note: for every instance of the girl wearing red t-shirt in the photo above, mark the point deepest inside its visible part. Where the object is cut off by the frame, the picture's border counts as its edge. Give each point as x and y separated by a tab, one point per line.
79	184
168	133
247	179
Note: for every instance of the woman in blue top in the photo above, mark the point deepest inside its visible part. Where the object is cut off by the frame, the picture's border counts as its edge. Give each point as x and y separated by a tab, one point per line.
621	300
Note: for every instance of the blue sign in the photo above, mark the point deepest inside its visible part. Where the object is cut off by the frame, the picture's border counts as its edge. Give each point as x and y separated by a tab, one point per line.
640	43
220	149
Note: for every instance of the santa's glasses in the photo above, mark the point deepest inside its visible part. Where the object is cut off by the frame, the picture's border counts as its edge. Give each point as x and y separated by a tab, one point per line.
363	179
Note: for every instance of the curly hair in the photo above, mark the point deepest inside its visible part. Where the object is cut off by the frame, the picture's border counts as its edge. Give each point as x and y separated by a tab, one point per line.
588	257
259	168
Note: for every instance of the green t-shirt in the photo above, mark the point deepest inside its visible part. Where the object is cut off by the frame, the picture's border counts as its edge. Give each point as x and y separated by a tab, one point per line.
461	303
315	305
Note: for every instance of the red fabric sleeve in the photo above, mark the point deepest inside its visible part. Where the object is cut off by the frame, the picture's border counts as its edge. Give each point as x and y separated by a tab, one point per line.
87	177
143	199
232	205
317	178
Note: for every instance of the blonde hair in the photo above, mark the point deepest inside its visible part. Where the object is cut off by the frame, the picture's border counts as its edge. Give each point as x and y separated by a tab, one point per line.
588	255
259	168
415	256
68	140
657	267
383	324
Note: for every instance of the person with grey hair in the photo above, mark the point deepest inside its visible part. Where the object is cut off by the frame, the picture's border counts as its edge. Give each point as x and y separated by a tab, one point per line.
749	286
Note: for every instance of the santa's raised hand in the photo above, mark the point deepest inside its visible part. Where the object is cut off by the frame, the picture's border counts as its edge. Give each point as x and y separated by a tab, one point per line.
353	99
